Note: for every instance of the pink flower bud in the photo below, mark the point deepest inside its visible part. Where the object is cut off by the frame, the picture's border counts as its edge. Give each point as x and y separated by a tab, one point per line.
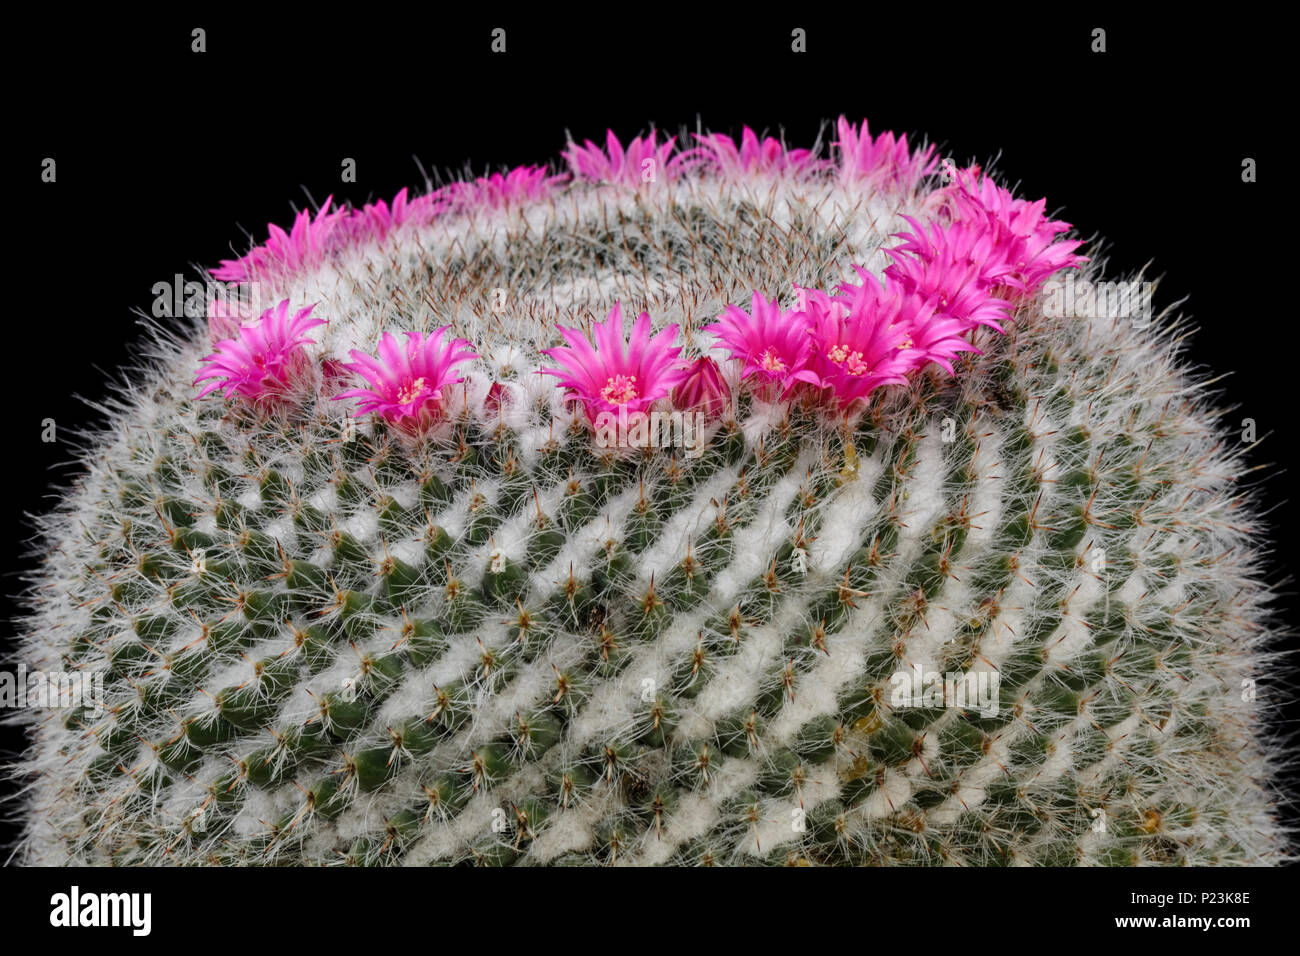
703	389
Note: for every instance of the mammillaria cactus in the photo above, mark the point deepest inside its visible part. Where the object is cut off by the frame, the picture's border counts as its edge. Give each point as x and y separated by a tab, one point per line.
855	548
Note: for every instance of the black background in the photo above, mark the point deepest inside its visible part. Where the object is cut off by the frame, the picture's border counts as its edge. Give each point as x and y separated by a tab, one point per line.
167	158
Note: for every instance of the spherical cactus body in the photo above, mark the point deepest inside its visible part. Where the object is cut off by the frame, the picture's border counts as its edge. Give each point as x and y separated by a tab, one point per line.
905	563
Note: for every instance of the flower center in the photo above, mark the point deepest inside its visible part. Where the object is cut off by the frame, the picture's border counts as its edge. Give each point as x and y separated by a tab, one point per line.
852	361
619	389
771	363
410	392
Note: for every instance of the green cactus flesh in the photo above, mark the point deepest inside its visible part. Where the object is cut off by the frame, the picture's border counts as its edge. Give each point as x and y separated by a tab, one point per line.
500	644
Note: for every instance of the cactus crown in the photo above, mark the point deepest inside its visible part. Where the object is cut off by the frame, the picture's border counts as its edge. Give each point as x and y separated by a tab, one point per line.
437	621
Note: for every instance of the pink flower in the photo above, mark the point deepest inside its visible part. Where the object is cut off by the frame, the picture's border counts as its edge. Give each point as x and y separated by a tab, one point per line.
773	346
521	184
752	156
859	338
932	337
305	245
376	220
406	383
1017	234
928	334
884	160
703	389
953	269
617	374
642	162
261	359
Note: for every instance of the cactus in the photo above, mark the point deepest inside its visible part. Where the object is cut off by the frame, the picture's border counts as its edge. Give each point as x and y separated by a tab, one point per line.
366	622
